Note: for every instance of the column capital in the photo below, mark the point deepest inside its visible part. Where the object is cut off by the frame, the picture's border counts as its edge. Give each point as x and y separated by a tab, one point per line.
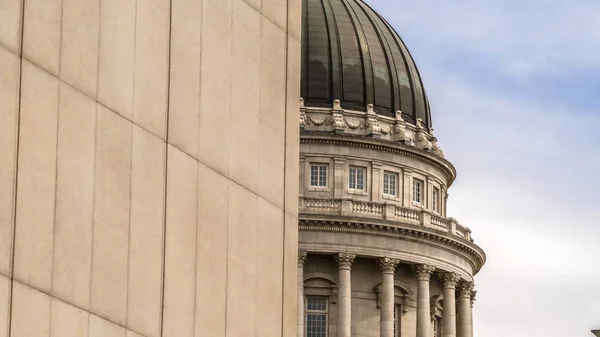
345	260
449	280
302	256
464	289
423	271
473	293
387	265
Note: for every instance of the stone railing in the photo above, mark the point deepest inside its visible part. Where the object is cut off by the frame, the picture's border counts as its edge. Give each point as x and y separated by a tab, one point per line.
384	211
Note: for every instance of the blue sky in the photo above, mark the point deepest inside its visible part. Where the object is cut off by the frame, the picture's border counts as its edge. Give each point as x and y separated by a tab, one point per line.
515	93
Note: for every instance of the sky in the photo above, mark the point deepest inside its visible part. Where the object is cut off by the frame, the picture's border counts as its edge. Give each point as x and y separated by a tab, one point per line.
514	88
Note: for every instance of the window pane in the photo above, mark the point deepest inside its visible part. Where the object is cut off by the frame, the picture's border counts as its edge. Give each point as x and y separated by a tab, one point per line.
352	178
360	179
322	175
314	175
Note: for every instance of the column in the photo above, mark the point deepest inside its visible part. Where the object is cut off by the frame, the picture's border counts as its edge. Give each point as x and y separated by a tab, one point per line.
429	196
473	293
449	316
463	318
344	324
423	273
386	313
301	260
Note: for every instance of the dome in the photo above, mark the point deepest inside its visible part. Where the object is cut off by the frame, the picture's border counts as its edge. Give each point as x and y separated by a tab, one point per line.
350	53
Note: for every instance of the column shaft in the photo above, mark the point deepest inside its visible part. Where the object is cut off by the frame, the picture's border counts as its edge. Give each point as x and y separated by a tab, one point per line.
449	315
463	320
344	324
386	313
423	273
301	260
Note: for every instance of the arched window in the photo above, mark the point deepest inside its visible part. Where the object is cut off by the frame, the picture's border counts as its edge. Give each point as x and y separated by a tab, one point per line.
319	292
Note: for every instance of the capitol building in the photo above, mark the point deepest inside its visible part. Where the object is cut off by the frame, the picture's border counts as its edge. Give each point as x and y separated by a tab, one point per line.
222	168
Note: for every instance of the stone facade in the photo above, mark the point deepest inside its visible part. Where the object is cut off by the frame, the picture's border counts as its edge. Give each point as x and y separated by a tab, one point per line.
413	267
148	149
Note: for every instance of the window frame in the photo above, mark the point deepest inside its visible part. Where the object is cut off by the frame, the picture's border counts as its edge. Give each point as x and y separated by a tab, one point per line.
320	175
324	312
396	177
435	200
357	169
421	190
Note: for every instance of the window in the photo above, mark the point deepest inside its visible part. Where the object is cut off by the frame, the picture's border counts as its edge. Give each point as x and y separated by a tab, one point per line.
396	320
316	316
437	327
318	175
389	183
417	190
435	201
356	180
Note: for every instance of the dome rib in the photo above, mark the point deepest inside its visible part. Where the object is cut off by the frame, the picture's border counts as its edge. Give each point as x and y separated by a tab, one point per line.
363	61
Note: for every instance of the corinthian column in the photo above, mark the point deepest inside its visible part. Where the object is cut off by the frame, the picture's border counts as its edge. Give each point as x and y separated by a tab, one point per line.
386	313
449	314
473	293
423	273
463	321
301	260
344	324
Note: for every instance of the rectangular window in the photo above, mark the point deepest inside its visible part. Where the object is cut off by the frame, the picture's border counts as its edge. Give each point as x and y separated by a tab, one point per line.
356	179
389	183
417	190
316	316
318	175
435	201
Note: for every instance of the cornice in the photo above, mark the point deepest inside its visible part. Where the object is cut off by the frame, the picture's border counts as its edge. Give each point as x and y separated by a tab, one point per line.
311	137
472	253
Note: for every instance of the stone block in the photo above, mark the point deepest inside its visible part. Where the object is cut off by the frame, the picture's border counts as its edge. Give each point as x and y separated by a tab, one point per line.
79	46
245	96
102	328
241	261
269	269
9	100
111	216
68	321
290	272
292	130
36	180
180	249
276	11
74	197
117	55
4	305
216	121
211	269
42	32
10	27
184	91
146	232
272	118
151	65
30	312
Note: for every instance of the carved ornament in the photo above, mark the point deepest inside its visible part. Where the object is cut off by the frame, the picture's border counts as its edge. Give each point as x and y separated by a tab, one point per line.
423	272
387	265
345	260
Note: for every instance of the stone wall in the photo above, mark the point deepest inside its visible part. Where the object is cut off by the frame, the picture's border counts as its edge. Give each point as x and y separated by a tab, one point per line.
148	150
